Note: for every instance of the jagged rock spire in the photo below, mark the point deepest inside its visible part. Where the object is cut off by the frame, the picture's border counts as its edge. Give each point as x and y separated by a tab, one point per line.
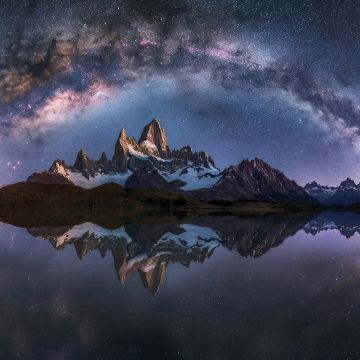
121	151
104	163
84	164
312	184
103	158
348	183
197	158
122	135
81	162
153	140
58	166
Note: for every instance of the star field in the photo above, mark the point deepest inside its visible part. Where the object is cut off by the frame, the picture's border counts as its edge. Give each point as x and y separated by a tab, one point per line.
275	79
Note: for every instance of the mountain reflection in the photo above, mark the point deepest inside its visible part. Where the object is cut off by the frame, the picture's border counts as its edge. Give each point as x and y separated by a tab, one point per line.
148	249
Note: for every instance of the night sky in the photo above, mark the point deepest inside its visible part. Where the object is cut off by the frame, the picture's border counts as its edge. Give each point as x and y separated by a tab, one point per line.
238	79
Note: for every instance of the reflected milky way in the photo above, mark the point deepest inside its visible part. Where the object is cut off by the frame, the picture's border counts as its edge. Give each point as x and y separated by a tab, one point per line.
261	287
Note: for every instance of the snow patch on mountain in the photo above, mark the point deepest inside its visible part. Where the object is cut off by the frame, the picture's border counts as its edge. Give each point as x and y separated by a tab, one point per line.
345	194
99	179
194	177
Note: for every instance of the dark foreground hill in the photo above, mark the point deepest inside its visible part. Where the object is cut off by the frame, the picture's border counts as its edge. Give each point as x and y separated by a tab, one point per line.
26	204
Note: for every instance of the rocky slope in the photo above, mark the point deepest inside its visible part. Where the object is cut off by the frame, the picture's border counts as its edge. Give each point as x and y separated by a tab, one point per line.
254	180
150	164
347	193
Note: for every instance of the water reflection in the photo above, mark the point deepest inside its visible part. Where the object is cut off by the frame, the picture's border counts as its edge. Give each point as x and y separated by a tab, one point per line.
145	249
148	249
227	287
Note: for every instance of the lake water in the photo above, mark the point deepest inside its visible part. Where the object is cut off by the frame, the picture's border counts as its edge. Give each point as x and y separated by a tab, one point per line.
206	287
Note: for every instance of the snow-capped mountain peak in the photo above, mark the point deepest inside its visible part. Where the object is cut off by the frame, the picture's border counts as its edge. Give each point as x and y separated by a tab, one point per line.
133	161
150	164
348	192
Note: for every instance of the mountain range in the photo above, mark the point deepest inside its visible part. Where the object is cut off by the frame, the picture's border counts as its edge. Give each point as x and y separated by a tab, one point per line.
347	193
149	163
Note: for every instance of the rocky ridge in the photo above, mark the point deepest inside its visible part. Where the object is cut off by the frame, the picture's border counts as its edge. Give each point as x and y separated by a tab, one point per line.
347	193
254	180
150	164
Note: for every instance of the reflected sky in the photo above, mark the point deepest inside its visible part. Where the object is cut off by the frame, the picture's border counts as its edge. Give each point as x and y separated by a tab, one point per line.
272	287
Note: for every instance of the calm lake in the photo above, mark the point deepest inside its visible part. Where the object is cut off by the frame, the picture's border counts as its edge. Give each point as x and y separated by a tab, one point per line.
206	287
